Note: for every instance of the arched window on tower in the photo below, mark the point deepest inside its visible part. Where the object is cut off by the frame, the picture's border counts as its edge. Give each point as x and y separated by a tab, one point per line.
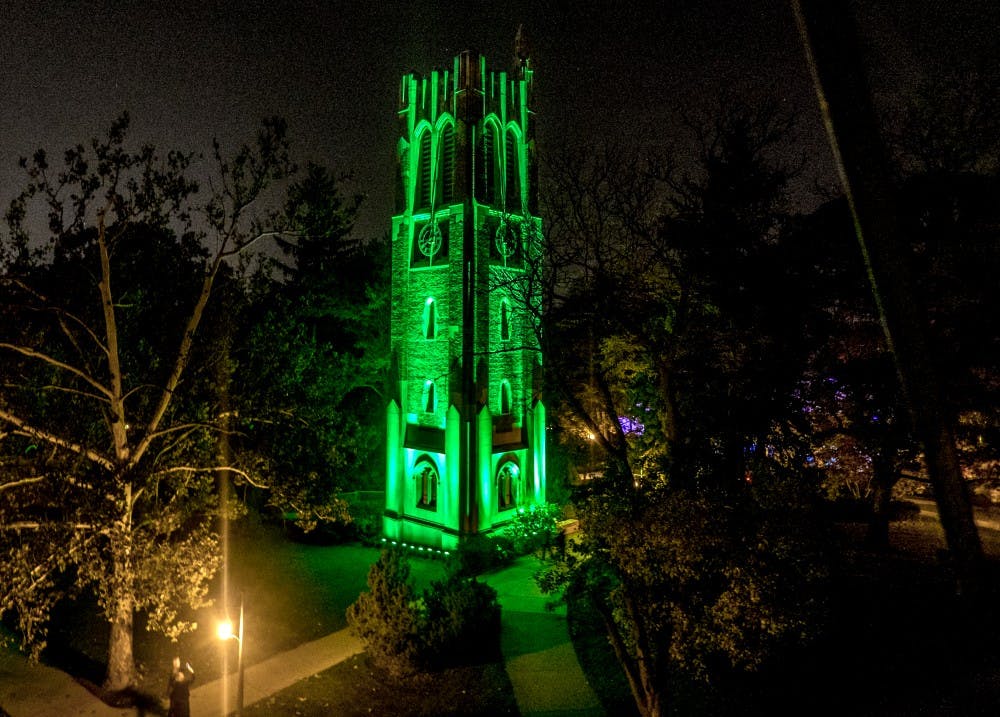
504	320
447	148
508	485
426	477
505	398
429	402
430	318
422	196
486	164
512	166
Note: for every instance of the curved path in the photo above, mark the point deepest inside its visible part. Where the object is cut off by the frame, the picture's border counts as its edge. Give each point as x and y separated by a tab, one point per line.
539	657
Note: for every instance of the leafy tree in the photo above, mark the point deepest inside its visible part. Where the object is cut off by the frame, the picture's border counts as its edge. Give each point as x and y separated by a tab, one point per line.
108	411
830	41
727	228
610	328
313	358
679	291
690	582
859	438
951	124
946	164
951	221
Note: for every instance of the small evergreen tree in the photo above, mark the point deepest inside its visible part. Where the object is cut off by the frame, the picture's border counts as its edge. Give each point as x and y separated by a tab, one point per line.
455	621
388	617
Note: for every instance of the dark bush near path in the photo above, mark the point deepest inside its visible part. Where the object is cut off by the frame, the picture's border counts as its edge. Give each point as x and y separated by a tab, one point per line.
462	623
388	617
530	530
482	554
455	621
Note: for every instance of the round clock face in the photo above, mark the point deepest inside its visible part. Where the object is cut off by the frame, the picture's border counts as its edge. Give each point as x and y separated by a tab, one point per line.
506	239
429	241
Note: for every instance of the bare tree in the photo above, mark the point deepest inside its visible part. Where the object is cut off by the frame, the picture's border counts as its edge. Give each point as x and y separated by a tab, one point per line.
106	402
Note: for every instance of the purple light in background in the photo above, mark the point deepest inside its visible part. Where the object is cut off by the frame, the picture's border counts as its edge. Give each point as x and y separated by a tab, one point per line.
630	426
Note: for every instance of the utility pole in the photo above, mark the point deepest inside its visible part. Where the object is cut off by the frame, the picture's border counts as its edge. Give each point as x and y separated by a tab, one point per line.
830	42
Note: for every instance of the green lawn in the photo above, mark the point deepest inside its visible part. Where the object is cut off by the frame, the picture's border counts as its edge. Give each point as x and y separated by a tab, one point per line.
293	593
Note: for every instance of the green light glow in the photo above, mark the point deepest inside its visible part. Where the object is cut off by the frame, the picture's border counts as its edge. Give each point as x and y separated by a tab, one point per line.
465	354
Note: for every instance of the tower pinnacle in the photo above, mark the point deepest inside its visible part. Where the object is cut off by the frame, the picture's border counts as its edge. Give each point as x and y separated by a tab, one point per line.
521	50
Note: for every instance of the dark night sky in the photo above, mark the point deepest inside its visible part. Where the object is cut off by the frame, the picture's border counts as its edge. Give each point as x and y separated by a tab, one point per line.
188	70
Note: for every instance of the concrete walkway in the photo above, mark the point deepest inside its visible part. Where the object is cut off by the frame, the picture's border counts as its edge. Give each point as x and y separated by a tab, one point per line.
539	656
541	663
274	674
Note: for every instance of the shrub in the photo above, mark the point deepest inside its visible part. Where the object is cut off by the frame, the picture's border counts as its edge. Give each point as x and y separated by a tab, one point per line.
534	528
367	521
388	618
462	622
483	553
455	621
529	530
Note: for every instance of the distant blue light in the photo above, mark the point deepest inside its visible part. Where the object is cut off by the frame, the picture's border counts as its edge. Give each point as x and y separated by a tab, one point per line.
631	426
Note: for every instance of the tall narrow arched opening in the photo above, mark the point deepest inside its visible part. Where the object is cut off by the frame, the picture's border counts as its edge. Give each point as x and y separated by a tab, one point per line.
446	148
424	184
430	318
512	172
486	164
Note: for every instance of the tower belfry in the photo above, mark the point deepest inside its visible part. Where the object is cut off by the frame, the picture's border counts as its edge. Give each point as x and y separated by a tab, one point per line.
465	422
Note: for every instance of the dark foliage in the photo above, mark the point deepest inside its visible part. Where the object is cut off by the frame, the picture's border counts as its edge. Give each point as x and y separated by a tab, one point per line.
453	622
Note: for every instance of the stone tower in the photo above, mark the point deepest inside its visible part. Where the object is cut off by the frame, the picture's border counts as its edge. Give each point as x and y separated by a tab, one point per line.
465	422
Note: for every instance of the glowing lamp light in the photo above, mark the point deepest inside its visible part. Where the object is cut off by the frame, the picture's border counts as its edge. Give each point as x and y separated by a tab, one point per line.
224	630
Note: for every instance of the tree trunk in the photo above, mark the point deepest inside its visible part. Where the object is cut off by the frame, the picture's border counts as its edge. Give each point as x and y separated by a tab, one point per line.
646	691
883	479
833	52
121	661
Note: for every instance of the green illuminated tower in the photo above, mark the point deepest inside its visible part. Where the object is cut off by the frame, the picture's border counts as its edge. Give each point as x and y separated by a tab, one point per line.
465	424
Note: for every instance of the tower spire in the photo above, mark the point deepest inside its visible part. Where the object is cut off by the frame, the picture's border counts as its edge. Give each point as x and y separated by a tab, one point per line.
521	51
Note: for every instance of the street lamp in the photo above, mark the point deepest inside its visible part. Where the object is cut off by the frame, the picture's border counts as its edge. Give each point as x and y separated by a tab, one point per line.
225	632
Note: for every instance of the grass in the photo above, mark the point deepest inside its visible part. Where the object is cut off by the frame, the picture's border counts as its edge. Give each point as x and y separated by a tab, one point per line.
355	688
597	659
293	593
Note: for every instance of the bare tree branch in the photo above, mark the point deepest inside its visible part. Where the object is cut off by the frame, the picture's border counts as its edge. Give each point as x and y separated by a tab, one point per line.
22	481
35	525
212	469
55	440
78	392
32	353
